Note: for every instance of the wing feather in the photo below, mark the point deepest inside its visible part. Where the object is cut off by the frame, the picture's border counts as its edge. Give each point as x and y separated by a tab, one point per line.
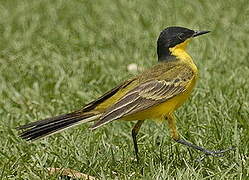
146	95
90	106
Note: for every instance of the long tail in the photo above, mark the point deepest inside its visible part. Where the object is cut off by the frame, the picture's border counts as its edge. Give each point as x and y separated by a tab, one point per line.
47	127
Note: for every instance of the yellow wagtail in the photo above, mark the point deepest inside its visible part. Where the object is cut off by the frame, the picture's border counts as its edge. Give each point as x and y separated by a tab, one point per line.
154	94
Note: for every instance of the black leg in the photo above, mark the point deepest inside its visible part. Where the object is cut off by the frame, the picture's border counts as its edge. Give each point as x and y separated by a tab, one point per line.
135	130
207	152
176	137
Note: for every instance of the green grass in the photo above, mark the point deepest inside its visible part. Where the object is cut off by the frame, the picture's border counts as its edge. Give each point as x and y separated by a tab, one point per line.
56	56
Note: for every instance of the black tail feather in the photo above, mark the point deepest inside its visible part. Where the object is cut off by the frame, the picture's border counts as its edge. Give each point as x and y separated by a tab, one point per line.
45	127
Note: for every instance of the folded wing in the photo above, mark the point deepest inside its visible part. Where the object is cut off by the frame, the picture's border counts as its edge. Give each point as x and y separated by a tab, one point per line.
144	96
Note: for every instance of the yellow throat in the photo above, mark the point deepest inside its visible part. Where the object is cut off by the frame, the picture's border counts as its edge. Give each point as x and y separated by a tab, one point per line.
179	51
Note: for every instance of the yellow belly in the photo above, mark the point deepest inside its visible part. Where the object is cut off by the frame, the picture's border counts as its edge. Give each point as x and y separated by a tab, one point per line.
160	111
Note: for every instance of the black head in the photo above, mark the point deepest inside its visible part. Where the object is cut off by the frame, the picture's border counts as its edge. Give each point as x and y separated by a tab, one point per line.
172	36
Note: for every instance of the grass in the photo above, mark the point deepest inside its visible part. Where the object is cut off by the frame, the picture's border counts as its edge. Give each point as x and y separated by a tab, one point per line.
55	56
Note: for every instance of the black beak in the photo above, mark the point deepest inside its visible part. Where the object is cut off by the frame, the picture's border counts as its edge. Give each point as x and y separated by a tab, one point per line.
198	33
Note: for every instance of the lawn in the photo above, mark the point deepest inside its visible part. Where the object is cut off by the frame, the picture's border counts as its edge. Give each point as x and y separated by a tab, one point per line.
56	56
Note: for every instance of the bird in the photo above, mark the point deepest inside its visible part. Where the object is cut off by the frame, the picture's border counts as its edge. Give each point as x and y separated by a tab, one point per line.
154	94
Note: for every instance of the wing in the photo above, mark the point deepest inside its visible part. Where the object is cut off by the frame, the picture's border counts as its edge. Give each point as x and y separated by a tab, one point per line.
107	95
148	94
